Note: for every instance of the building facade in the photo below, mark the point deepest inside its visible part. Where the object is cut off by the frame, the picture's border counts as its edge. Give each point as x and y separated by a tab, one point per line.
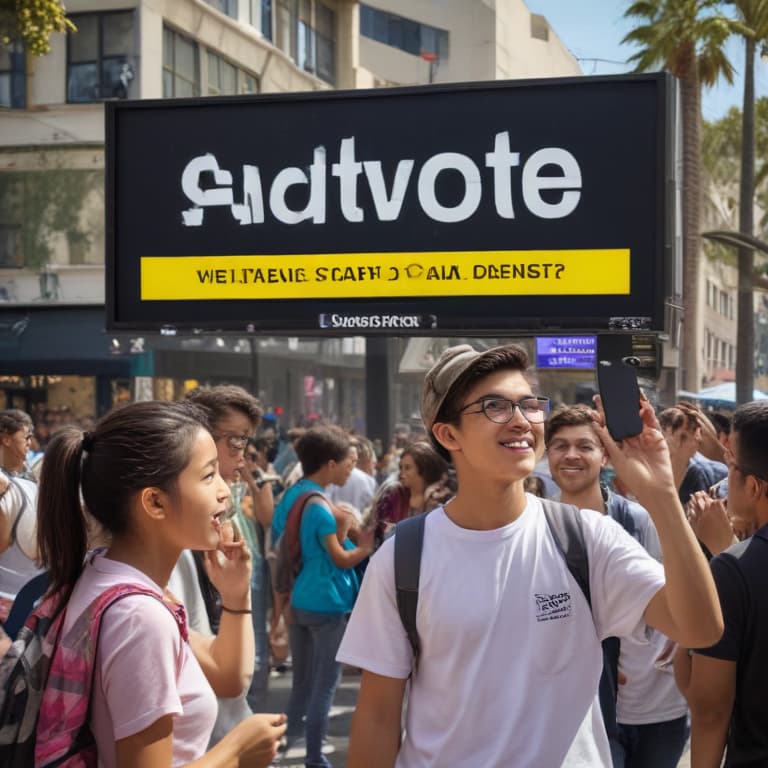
52	229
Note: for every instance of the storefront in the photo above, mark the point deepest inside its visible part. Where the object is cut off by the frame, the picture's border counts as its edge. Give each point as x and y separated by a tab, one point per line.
59	365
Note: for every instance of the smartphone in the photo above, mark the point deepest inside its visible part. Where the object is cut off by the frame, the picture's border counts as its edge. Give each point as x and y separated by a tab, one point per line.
617	382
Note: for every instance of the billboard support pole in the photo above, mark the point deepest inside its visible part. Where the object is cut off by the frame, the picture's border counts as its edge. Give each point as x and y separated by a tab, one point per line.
378	421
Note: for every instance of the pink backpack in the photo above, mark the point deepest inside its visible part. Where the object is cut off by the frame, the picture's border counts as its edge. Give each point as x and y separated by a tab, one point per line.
46	681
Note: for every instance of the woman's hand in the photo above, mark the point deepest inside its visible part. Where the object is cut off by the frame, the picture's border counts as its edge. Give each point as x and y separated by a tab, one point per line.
710	522
260	736
229	567
365	538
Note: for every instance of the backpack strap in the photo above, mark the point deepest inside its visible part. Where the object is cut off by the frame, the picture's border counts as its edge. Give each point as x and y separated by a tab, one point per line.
62	727
409	542
292	531
564	521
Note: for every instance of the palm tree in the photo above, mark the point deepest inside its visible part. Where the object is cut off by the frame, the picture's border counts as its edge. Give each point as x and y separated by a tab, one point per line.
685	37
752	25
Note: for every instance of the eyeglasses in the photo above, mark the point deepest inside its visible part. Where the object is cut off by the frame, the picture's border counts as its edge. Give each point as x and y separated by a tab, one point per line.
501	411
235	442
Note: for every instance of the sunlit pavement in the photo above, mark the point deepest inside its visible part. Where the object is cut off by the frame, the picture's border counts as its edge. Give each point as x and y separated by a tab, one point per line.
338	722
340	719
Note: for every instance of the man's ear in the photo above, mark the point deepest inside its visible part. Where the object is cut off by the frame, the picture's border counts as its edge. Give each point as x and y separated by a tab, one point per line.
754	489
154	502
445	434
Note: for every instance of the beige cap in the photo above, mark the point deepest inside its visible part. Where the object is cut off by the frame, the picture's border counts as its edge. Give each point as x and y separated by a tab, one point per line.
441	377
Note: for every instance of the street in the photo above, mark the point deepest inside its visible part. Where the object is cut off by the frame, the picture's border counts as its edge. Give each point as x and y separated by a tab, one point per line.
338	722
340	718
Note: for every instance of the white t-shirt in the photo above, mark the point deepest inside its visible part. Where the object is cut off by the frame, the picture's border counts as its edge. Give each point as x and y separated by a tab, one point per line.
511	656
16	564
358	491
650	695
144	670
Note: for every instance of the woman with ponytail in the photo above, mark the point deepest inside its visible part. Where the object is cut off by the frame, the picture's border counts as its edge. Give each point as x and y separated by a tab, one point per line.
148	476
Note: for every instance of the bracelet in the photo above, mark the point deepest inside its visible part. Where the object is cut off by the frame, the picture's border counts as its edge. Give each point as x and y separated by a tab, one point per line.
236	610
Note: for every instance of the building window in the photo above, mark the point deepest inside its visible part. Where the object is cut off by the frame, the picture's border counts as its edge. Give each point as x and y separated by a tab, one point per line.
405	34
222	76
51	216
305	37
12	76
325	28
724	303
225	79
248	83
100	56
306	31
261	16
266	19
286	23
228	7
181	68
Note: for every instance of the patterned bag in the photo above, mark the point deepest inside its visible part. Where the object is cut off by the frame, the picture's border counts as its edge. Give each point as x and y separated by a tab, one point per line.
46	681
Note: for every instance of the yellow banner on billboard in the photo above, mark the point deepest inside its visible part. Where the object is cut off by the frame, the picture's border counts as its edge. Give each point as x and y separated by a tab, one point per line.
596	272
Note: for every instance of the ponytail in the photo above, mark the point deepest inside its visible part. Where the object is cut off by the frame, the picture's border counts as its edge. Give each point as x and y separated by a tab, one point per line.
62	533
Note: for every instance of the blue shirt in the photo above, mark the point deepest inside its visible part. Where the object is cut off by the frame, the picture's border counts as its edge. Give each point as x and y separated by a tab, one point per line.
280	515
321	585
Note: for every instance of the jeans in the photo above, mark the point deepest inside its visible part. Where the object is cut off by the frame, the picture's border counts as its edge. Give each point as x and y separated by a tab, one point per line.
655	745
315	639
257	693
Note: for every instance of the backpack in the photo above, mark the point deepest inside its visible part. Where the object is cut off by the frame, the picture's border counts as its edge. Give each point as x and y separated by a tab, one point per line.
564	522
288	547
46	681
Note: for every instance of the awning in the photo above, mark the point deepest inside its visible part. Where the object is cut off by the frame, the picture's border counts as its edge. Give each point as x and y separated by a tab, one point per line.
723	394
66	341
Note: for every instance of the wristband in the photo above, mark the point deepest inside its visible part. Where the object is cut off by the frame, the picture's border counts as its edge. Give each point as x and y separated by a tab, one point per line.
236	610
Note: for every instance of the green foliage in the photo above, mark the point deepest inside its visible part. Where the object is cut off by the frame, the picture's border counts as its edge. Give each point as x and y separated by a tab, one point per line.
33	22
721	153
39	204
681	36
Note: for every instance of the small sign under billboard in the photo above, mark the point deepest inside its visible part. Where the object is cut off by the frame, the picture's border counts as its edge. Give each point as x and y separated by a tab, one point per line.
566	351
479	208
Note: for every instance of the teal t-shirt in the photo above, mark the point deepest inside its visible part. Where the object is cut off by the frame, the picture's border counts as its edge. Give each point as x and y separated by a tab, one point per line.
321	586
280	515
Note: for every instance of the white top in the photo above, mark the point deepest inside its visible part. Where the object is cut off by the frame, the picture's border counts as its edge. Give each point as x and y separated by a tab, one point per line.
184	585
143	668
358	491
650	695
511	656
16	564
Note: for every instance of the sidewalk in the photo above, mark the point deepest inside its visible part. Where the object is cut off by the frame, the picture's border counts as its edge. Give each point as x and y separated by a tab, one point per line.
340	719
338	723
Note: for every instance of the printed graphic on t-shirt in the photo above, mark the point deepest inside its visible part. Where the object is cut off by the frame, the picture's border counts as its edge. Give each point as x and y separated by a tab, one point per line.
549	607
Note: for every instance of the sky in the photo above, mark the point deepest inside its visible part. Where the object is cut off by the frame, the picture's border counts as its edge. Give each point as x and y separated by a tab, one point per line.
592	31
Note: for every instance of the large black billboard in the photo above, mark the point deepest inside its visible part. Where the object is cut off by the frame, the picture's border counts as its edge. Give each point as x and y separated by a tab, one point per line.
472	208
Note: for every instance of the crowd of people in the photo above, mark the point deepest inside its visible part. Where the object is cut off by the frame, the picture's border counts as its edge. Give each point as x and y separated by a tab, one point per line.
280	548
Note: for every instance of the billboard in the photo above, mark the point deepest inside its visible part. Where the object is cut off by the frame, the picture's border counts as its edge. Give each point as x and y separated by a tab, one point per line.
478	208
